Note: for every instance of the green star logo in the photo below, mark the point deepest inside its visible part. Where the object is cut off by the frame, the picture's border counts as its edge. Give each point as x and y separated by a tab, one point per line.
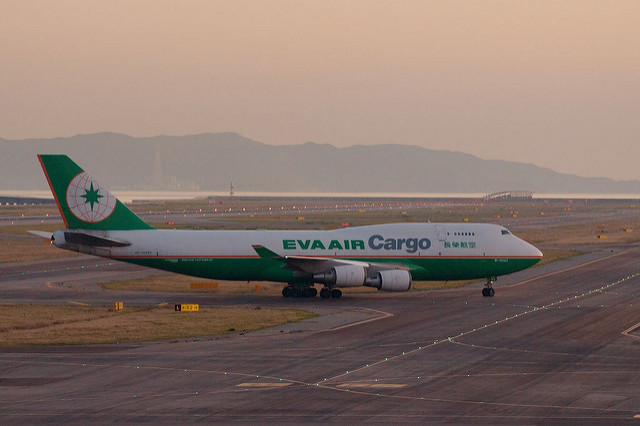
91	196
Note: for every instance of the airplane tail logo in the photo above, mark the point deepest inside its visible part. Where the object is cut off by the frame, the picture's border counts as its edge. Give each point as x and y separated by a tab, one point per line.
82	201
88	201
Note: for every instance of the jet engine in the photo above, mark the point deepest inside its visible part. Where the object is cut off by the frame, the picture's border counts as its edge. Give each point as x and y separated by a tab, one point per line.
355	276
342	276
390	280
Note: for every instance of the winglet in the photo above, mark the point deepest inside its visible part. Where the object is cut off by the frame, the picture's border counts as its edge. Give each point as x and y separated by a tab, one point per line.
265	253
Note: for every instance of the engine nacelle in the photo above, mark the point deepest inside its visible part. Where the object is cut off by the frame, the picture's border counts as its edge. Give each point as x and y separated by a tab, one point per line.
342	276
390	280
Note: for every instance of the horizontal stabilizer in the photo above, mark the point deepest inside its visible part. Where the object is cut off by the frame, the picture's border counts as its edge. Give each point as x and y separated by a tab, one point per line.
92	240
44	234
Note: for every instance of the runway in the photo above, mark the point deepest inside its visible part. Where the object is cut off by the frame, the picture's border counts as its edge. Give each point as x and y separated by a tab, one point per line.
557	343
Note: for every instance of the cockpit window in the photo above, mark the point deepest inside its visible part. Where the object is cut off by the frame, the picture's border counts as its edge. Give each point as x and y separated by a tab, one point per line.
505	232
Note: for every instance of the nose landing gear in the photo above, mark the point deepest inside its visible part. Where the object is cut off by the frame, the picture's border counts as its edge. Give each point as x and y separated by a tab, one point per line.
488	290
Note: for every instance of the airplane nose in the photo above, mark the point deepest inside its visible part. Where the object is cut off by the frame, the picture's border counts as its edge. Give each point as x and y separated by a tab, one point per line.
534	251
538	252
529	250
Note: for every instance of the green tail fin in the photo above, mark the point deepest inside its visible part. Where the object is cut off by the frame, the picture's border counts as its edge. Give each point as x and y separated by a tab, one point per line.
82	201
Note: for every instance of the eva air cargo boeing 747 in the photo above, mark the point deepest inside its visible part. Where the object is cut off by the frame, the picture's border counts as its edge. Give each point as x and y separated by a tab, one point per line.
388	257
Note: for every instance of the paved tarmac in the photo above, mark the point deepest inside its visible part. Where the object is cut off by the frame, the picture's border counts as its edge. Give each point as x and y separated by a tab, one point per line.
556	344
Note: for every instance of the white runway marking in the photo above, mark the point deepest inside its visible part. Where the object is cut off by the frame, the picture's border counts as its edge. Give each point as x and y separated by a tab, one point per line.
372	385
264	385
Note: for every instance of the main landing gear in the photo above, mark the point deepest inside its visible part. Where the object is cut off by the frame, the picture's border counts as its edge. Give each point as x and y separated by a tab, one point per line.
297	291
488	290
327	292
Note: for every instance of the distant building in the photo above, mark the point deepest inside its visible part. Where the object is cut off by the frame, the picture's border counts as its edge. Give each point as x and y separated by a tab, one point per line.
509	196
24	200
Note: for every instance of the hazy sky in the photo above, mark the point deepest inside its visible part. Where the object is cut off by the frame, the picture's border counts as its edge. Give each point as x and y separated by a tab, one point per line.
555	83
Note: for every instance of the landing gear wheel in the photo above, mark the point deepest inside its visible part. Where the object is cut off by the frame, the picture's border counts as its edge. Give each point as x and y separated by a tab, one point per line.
309	292
325	293
488	290
336	293
287	292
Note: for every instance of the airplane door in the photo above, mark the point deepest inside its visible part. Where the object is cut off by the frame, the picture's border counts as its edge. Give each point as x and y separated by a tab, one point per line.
442	234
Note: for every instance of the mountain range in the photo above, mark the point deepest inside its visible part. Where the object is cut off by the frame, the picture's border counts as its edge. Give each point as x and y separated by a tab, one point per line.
211	161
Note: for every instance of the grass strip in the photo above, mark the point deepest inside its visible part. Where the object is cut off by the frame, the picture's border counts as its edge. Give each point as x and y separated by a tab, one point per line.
29	325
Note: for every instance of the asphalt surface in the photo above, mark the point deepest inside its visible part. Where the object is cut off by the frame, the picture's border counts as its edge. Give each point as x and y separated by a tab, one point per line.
556	344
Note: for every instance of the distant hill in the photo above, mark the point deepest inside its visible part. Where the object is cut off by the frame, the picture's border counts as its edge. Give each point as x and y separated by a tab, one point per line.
211	161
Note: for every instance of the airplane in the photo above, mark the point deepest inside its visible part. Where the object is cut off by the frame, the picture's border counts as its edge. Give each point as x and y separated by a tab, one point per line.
388	257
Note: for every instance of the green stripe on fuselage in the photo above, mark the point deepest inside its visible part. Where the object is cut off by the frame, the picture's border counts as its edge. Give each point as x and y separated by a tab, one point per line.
261	269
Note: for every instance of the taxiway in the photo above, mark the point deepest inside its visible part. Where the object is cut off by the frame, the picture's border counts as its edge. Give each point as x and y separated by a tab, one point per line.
557	343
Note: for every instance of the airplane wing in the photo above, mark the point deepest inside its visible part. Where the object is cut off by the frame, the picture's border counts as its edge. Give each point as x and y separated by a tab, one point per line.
316	265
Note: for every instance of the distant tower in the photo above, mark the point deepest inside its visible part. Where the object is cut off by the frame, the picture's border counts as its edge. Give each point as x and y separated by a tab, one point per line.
231	191
158	166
